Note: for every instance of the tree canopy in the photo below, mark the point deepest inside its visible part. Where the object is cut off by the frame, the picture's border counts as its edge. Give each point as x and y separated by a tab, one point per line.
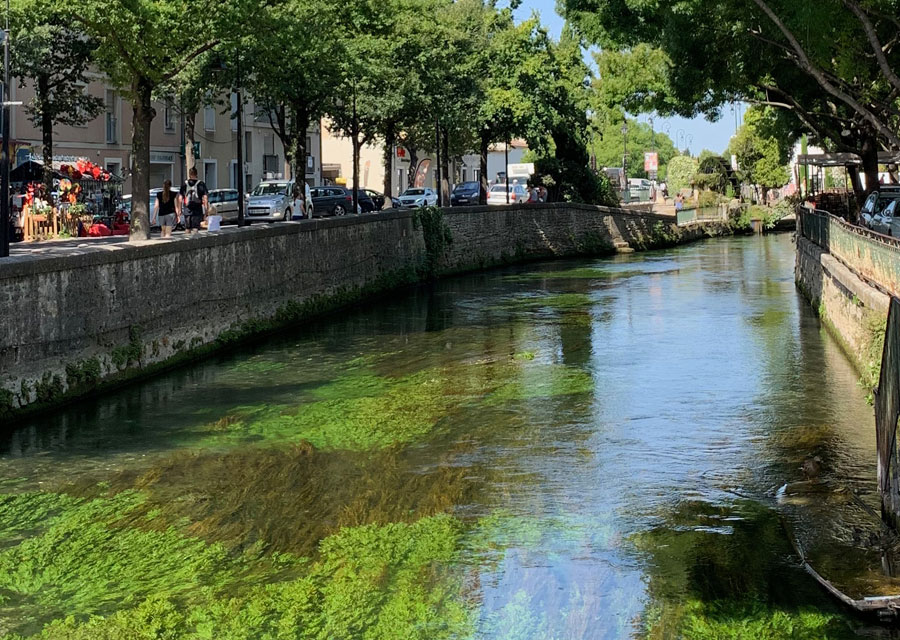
829	66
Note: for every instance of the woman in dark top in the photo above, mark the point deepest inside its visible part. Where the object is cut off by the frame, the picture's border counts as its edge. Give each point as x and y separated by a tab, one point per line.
166	209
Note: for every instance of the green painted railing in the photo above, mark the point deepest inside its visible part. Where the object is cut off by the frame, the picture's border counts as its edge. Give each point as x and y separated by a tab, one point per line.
872	256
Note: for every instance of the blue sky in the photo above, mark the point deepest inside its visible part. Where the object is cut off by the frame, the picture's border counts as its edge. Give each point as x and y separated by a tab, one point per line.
701	133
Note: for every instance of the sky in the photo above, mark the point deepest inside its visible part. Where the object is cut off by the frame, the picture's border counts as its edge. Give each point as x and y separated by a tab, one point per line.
695	134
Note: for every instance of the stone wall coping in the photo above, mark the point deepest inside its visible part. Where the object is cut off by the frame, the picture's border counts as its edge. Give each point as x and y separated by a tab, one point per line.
66	255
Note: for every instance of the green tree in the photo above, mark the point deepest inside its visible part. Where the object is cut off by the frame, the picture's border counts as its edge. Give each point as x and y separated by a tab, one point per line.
56	59
292	71
681	173
762	150
829	66
608	145
142	45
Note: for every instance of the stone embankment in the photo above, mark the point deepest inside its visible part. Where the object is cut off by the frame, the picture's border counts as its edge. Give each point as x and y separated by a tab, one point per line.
848	274
80	316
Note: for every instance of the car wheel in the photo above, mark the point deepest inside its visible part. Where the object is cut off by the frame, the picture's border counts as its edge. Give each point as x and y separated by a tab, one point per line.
338	210
287	215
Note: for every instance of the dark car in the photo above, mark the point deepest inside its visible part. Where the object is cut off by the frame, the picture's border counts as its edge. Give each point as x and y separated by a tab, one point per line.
366	201
377	198
333	200
465	193
337	200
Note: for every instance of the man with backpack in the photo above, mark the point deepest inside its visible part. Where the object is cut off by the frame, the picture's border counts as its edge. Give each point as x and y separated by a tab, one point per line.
194	196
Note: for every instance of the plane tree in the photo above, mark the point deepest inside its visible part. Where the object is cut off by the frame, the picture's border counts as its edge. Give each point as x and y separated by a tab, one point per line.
143	44
829	65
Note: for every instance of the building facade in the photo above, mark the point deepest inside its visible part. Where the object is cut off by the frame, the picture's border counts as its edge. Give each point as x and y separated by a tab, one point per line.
106	141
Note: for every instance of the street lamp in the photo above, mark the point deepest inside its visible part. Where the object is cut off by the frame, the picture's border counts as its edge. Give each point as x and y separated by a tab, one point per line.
627	195
219	65
679	137
690	141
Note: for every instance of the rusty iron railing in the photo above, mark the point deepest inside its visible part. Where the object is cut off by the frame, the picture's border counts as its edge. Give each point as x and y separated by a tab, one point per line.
872	256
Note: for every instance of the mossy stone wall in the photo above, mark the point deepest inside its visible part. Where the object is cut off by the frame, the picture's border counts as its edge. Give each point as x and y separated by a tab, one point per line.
77	319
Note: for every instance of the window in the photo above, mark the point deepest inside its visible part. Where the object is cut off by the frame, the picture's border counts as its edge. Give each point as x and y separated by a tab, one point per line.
248	146
209	119
112	121
234	106
169	118
248	183
114	167
269	144
233	175
476	175
209	174
465	174
270	164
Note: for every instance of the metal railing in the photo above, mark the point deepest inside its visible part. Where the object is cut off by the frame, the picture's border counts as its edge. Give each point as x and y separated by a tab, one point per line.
872	256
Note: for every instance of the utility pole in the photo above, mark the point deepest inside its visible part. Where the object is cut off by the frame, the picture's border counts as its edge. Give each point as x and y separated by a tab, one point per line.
506	171
239	165
4	155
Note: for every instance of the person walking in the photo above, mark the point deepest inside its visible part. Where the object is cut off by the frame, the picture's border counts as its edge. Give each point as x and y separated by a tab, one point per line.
195	196
167	209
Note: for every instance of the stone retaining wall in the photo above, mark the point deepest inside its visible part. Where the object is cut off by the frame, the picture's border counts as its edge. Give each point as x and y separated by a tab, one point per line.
847	274
81	316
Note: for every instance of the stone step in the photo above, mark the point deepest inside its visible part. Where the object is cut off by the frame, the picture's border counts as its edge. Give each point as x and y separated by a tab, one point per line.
622	246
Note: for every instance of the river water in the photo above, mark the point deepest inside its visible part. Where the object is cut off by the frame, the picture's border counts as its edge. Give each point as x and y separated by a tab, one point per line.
570	449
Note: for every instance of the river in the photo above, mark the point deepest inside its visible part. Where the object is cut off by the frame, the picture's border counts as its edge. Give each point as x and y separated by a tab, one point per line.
569	449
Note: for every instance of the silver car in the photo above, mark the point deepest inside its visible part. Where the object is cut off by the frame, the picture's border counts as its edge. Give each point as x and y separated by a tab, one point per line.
224	202
417	197
271	201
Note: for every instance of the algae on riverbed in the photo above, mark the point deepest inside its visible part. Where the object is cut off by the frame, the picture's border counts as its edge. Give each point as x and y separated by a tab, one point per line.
94	573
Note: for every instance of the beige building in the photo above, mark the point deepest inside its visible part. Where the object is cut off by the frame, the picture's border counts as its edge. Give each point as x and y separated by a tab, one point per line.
106	141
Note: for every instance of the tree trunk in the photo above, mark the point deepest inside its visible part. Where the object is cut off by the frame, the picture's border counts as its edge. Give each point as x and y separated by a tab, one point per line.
43	88
356	146
390	139
869	155
140	160
439	179
190	122
413	167
484	145
300	149
856	184
445	167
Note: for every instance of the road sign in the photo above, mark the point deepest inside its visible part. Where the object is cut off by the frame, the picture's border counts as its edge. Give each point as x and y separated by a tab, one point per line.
651	161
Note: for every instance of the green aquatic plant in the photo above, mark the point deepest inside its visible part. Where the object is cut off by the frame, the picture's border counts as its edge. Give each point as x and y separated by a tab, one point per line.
559	301
94	575
362	411
728	620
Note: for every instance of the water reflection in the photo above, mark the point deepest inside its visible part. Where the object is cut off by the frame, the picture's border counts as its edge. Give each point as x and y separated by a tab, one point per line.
576	449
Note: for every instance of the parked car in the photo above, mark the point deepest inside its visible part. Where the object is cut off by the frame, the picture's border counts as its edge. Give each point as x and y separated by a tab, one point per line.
497	194
271	200
871	212
333	200
365	202
465	193
377	199
418	197
224	202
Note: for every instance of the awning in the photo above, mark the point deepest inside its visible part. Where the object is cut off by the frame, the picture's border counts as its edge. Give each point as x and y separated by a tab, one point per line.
844	159
30	171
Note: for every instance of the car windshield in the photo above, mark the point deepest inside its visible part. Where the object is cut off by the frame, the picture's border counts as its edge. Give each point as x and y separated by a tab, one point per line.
467	186
271	189
414	192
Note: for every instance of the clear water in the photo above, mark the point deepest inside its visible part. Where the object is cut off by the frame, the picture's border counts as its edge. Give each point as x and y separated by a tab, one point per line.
571	449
